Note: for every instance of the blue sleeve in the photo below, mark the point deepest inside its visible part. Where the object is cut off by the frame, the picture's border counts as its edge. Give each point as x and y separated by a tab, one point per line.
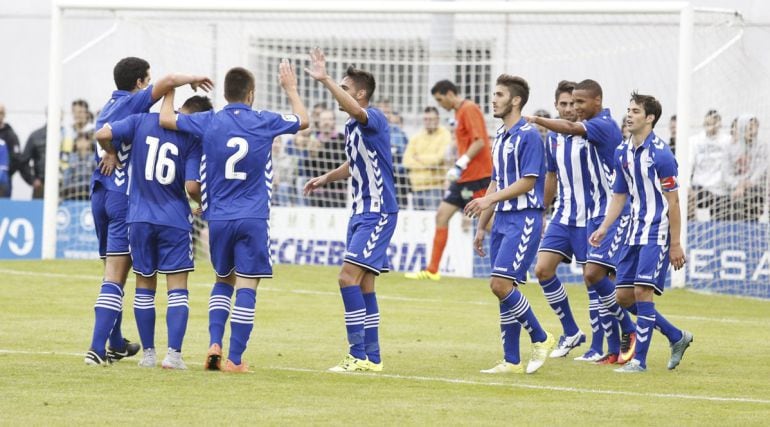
195	124
123	130
531	155
602	132
621	185
192	167
375	119
141	101
550	159
281	124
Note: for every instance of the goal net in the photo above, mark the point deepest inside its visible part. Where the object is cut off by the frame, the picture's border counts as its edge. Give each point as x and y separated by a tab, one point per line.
408	50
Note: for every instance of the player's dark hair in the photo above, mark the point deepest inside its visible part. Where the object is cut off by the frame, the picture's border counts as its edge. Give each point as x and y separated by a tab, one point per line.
649	104
362	79
564	86
197	103
321	105
80	103
590	86
430	109
516	85
128	70
443	87
543	113
238	83
713	113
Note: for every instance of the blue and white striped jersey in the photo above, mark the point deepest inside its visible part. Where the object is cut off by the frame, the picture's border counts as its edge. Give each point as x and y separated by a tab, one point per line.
236	166
567	158
603	136
121	105
517	153
645	173
371	165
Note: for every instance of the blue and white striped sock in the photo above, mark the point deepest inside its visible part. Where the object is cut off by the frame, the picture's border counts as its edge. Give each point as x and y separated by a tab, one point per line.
606	291
510	332
219	310
372	328
241	322
144	312
645	324
517	303
355	314
557	299
597	332
176	317
611	328
108	306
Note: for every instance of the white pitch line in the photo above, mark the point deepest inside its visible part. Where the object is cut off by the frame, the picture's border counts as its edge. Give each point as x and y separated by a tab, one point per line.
538	387
470	382
761	322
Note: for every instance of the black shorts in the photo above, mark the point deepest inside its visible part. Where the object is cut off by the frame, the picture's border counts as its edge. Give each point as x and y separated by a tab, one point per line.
459	194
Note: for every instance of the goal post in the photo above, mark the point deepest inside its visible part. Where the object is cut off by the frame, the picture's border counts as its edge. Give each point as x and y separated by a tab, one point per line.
394	40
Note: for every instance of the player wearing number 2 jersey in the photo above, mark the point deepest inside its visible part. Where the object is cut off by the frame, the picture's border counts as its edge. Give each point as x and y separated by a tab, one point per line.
163	164
236	184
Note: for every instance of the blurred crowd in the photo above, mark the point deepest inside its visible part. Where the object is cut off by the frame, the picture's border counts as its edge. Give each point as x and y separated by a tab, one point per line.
729	164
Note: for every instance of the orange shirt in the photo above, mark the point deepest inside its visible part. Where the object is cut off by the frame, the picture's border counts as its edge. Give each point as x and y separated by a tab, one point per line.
470	127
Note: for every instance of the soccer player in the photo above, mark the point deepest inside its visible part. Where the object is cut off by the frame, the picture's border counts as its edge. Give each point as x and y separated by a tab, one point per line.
469	177
597	128
375	210
236	182
109	202
565	235
516	192
646	172
163	164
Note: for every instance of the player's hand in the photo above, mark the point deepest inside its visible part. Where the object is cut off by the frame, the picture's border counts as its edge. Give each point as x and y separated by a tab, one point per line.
676	254
596	238
286	75
317	68
530	119
202	82
109	163
476	206
478	242
313	184
454	173
197	211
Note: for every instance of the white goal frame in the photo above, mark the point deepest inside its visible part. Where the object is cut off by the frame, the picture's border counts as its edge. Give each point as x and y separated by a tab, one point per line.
682	9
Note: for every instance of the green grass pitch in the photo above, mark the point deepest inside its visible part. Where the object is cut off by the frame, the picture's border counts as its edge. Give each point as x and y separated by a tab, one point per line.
435	337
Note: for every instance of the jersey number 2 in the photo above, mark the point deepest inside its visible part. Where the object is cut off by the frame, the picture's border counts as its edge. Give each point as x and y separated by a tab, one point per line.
159	165
243	149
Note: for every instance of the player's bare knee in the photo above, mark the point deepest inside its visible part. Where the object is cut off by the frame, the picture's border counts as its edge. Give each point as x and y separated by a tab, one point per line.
544	272
625	297
643	293
593	273
500	287
350	275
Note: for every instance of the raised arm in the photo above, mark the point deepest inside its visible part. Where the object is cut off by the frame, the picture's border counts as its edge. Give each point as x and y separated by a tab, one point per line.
559	125
288	79
348	104
173	81
167	113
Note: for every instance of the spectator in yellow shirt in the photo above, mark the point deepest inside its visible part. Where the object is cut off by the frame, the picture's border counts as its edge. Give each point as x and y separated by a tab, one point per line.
425	159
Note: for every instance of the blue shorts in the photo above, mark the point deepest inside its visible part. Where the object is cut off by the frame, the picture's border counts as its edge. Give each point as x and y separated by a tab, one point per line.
643	265
241	246
565	240
368	239
160	249
109	209
513	243
608	253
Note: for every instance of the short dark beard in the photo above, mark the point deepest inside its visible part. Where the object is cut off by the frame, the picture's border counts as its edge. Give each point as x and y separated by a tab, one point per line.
505	112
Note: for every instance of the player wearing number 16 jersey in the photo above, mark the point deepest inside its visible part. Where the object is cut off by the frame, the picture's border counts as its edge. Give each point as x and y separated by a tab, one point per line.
163	164
236	184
